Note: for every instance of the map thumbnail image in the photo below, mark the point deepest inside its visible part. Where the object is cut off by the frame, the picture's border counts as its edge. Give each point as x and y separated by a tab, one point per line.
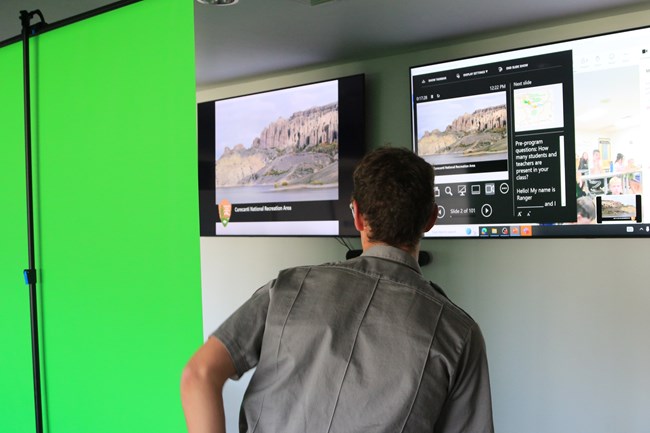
539	107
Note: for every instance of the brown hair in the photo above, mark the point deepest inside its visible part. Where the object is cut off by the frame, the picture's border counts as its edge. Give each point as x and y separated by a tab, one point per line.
393	188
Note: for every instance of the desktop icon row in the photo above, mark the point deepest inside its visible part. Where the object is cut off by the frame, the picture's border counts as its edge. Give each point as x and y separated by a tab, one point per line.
505	231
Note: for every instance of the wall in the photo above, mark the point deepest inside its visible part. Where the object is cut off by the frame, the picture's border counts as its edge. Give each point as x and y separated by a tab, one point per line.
565	320
117	236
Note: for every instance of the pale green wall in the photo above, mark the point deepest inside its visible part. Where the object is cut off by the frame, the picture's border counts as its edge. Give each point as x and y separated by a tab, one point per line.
565	320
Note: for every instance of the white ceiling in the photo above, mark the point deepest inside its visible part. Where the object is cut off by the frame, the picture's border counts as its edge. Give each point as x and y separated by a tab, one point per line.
255	37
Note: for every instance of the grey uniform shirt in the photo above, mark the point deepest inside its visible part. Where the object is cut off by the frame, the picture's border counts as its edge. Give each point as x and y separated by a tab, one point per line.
365	345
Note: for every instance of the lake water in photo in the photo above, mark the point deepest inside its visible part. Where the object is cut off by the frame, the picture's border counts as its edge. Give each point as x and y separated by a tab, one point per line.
269	194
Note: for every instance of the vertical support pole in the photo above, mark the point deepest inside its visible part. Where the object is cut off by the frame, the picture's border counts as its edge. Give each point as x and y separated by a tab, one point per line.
30	273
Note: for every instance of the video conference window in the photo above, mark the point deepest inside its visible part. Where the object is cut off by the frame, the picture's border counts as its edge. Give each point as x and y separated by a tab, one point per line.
538	140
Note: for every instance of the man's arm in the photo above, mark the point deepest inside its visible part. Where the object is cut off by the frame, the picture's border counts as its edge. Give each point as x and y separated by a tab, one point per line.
469	405
201	385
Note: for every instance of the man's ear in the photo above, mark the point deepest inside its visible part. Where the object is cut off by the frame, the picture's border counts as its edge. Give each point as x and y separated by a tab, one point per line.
432	218
359	222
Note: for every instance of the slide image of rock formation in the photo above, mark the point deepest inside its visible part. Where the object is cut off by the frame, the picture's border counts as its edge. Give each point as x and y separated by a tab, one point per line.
278	146
463	130
619	207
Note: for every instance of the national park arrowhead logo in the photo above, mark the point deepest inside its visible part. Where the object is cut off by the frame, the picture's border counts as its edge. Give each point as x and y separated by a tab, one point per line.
225	210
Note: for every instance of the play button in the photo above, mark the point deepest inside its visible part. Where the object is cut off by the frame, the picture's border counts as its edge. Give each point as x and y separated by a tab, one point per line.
486	210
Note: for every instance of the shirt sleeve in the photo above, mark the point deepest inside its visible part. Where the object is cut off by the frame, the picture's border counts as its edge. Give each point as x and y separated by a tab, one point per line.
468	408
242	332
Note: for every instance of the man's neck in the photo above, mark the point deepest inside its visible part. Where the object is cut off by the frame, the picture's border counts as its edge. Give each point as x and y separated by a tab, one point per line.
366	244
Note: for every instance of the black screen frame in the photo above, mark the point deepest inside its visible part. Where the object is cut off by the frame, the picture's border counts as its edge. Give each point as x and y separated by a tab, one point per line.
635	228
352	147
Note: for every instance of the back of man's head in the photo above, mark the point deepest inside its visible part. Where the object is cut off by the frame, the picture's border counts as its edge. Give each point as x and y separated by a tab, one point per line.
586	208
393	188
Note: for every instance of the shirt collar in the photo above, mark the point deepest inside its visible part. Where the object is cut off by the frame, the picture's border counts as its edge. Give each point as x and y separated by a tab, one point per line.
394	254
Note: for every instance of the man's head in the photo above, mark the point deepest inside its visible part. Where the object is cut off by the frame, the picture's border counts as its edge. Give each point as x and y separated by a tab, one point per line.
596	155
586	210
393	191
615	186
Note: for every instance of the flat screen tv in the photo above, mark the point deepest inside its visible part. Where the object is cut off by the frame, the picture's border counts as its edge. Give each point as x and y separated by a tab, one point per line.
544	141
279	163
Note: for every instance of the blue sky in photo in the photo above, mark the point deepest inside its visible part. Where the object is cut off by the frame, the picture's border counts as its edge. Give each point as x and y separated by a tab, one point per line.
439	114
240	120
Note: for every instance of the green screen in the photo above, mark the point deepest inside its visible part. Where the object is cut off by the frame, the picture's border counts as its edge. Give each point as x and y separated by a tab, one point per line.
117	236
16	398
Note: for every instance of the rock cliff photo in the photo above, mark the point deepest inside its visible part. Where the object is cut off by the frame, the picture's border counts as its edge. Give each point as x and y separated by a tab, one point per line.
481	132
298	152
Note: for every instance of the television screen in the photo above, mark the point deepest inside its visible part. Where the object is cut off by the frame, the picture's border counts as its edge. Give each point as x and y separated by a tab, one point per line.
545	141
279	163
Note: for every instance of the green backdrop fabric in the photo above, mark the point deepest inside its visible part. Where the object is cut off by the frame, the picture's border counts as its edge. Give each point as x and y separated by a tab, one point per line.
16	389
117	236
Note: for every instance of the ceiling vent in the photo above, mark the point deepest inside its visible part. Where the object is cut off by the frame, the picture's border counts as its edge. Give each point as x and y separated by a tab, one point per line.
218	2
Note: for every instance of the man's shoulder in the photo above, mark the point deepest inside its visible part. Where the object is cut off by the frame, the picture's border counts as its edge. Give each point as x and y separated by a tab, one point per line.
384	273
399	289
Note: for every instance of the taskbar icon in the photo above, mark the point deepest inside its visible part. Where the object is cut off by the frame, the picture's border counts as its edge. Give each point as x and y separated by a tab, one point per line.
505	231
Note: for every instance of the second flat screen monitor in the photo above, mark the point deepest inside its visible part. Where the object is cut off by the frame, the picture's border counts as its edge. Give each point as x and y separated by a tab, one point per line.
547	141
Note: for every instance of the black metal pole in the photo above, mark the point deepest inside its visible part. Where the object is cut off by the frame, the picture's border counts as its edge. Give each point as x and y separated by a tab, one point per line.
30	273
